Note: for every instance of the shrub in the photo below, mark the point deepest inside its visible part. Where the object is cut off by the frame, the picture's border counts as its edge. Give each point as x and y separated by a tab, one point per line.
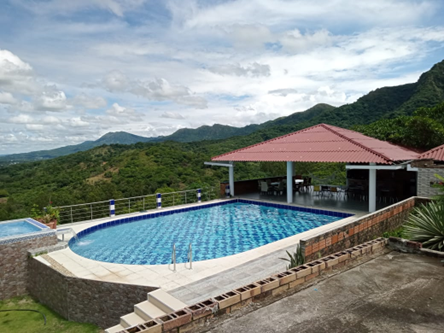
426	225
295	259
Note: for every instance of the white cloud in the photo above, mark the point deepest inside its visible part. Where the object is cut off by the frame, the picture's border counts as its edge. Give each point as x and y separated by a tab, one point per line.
50	120
253	70
21	119
172	115
35	127
162	90
115	81
51	99
15	74
77	122
89	102
7	98
122	112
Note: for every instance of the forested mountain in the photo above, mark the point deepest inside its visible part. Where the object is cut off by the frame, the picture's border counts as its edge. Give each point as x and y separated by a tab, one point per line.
123	170
109	138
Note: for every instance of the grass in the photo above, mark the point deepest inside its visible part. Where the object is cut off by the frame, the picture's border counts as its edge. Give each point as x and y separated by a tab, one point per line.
395	233
32	322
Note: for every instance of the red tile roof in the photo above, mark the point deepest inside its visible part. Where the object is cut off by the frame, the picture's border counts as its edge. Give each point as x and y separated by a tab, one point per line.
322	143
436	154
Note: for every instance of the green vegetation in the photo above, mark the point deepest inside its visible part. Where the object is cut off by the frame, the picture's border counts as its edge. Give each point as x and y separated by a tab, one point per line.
423	130
426	225
33	322
295	259
399	232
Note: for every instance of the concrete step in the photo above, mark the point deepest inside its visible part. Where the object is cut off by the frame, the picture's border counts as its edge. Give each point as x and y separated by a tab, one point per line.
147	310
165	301
131	319
115	329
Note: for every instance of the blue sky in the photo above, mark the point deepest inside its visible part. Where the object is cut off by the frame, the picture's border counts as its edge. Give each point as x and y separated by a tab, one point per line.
72	71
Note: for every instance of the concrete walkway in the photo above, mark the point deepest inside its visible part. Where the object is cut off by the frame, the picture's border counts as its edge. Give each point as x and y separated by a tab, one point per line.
392	293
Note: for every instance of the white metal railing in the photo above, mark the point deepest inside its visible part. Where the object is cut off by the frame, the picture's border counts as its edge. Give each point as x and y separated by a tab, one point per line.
101	209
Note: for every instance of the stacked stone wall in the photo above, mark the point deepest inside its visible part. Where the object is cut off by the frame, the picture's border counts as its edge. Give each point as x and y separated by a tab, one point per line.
82	300
425	177
14	263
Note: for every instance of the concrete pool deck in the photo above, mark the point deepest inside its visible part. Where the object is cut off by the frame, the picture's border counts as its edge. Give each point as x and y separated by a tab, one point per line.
395	292
206	279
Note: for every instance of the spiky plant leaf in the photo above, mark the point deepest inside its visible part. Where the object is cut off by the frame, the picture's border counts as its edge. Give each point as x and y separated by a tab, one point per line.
295	259
426	225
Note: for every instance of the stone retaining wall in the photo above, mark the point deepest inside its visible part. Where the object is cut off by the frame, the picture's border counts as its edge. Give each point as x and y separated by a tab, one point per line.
14	263
200	316
361	230
82	300
425	176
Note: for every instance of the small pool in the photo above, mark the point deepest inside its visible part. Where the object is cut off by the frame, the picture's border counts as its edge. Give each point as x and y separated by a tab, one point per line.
17	229
215	231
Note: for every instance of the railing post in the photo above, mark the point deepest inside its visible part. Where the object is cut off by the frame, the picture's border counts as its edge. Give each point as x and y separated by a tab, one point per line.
71	216
185	198
159	200
199	194
112	208
91	207
143	208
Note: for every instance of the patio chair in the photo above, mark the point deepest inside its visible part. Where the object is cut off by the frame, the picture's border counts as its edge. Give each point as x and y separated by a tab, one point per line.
281	188
335	191
325	190
264	187
317	190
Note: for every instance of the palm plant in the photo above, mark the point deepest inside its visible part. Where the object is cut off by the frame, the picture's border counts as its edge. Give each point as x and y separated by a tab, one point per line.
426	225
295	259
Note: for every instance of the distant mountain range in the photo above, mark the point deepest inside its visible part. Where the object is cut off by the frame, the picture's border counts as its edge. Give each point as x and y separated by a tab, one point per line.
384	102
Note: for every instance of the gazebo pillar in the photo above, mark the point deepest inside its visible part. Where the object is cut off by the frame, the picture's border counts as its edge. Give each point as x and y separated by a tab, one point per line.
372	189
290	171
231	179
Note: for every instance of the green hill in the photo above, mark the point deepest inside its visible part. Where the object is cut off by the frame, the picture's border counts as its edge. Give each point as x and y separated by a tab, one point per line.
109	138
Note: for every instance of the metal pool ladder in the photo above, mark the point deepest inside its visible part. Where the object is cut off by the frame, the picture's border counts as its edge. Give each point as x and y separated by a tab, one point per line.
173	257
190	256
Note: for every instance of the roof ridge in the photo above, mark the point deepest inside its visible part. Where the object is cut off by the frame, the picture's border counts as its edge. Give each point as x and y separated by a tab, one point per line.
263	142
430	151
329	127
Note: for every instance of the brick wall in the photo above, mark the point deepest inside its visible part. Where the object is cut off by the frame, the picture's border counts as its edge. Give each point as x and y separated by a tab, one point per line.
82	300
14	264
425	176
359	231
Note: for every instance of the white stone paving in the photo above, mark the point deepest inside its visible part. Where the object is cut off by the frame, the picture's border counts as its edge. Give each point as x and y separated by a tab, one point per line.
164	277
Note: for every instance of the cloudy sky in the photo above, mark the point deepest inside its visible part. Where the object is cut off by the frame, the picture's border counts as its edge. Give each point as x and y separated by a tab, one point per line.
72	71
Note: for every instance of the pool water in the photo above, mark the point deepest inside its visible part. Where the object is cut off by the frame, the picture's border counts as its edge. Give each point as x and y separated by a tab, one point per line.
16	228
214	232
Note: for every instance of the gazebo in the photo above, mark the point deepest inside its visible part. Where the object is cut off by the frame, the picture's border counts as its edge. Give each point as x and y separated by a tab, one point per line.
323	143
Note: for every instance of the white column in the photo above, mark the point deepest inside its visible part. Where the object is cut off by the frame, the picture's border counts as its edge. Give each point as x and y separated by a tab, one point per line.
290	182
231	179
372	189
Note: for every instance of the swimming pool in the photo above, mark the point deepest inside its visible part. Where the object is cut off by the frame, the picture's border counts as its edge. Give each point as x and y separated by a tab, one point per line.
215	231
